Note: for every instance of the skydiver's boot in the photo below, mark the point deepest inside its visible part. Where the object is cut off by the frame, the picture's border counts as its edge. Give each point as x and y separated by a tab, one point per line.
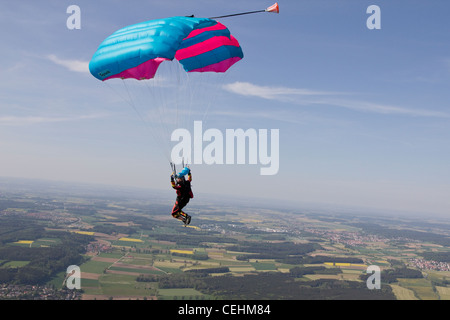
187	218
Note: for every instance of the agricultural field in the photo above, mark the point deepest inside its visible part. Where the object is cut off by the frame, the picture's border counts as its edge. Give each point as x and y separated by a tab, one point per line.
131	248
159	253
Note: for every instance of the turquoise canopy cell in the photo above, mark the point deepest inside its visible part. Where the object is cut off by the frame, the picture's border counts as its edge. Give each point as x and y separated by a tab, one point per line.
136	51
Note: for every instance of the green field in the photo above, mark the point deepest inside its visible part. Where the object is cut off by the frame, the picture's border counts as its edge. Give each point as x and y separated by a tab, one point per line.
421	288
131	249
180	294
13	264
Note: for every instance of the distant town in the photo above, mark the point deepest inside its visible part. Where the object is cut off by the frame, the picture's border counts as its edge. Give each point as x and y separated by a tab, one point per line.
423	264
37	292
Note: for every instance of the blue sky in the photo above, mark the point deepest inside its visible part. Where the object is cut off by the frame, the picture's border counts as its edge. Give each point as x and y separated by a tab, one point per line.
363	115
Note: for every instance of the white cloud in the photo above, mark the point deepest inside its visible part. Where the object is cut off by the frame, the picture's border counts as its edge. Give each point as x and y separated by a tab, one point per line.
72	65
271	93
365	106
23	121
313	97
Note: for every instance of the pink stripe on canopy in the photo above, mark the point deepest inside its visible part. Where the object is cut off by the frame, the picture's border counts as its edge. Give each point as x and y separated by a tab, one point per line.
196	32
145	70
205	46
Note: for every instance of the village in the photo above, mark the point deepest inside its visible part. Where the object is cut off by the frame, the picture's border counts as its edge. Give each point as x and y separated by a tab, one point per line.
36	292
423	264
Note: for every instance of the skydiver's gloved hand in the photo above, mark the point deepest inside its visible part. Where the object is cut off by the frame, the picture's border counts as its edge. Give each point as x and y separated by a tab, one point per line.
189	174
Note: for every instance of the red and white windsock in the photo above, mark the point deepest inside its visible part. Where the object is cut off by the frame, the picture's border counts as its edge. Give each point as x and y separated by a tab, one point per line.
273	8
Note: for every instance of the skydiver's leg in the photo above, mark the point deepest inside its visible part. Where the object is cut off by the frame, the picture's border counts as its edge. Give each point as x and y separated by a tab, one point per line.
181	205
176	212
187	218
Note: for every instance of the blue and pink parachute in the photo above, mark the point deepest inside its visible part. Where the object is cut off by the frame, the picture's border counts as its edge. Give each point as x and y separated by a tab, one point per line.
136	51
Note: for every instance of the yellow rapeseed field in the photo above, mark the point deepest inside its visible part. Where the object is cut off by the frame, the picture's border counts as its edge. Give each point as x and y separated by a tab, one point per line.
88	233
130	239
343	264
181	251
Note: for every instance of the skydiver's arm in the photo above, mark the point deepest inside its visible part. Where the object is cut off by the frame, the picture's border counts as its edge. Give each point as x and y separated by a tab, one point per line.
175	186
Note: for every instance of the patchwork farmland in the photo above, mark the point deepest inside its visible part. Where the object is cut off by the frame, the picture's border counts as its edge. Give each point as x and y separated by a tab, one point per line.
133	249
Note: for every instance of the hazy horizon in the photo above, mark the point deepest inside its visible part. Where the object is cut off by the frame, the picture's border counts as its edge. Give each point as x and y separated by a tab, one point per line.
202	199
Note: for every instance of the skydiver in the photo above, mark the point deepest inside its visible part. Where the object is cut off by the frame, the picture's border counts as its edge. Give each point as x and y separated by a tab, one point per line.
184	194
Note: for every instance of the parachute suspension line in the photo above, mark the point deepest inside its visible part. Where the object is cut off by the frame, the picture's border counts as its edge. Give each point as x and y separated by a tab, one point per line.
190	97
178	95
131	102
160	107
177	102
198	92
168	100
201	92
218	86
185	99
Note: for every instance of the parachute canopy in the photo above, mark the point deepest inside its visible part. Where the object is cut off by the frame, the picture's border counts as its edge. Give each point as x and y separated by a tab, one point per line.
136	51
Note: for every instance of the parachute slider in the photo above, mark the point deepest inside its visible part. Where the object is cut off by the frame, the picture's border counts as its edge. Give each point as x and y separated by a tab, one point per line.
273	8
